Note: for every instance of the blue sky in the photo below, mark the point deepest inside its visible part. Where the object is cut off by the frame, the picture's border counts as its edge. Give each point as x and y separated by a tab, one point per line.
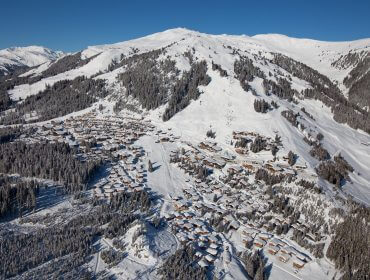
73	25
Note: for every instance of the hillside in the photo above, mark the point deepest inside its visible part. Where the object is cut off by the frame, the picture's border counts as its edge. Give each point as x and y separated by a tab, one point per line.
219	144
18	57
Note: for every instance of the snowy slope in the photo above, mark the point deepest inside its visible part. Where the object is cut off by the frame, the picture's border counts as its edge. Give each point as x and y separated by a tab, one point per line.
225	106
26	56
316	54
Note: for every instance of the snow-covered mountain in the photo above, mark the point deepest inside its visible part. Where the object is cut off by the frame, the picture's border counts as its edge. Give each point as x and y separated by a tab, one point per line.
282	123
227	100
31	56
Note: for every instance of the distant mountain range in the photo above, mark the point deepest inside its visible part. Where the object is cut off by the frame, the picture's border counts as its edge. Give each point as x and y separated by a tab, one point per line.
14	58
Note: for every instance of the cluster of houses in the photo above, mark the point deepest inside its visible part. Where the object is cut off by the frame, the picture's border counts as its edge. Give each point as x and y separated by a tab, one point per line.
275	246
108	138
224	194
165	136
228	194
190	227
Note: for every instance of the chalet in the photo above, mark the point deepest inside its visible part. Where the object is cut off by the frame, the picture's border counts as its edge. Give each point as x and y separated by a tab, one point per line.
235	169
276	242
234	225
287	250
183	238
297	263
210	258
197	223
227	157
181	205
273	250
248	166
188	226
203	263
199	254
201	230
283	257
247	240
120	189
207	145
243	183
241	151
214	246
250	231
212	251
212	239
264	236
191	236
301	256
259	243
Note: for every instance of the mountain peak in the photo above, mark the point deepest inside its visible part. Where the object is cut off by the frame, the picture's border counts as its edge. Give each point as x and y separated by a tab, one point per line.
29	56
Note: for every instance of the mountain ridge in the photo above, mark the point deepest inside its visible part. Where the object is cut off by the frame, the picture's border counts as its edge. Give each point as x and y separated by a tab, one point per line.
183	147
30	56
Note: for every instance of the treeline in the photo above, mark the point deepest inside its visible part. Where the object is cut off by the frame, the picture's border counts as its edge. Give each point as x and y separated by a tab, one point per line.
8	134
350	245
112	257
269	179
11	69
309	186
358	82
153	82
335	171
64	64
324	90
146	79
8	82
67	247
291	117
282	89
246	71
13	79
57	162
258	144
319	152
5	100
62	98
254	264
186	89
182	266
20	252
17	197
217	67
261	106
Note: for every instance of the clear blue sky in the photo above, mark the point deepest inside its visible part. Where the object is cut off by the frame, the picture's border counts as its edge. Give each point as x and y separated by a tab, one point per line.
73	25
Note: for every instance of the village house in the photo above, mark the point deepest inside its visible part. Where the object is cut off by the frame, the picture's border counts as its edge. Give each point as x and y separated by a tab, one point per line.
284	257
298	263
259	243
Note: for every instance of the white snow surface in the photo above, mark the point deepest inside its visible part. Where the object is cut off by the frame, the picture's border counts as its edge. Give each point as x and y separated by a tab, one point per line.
316	54
27	56
225	106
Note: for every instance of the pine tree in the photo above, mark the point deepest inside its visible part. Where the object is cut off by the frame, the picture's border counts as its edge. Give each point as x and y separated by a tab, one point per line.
150	166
